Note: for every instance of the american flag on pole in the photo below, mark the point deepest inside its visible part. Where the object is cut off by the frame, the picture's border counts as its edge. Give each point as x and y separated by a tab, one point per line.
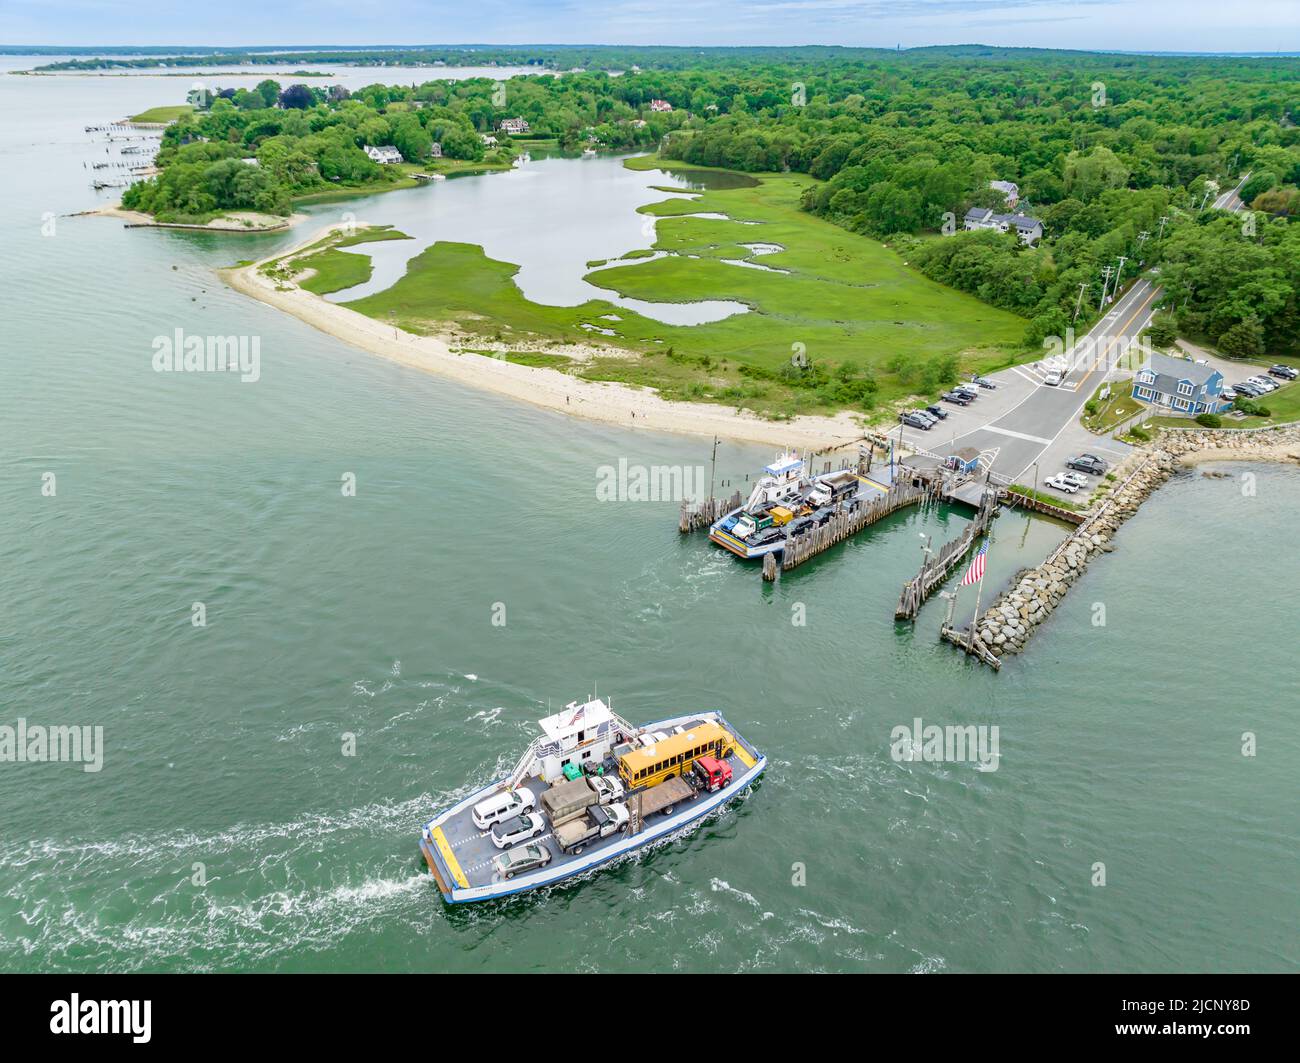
976	571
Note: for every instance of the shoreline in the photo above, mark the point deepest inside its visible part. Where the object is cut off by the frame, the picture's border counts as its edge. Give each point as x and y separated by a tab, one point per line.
606	402
135	219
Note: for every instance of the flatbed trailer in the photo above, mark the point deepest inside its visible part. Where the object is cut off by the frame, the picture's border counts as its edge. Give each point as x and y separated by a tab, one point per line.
664	797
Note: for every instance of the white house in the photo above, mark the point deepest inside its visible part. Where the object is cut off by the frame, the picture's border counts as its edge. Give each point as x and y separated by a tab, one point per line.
384	154
1030	230
435	151
1009	189
513	126
660	106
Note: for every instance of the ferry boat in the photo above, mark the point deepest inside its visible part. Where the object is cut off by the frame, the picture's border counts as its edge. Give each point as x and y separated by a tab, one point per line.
785	499
590	789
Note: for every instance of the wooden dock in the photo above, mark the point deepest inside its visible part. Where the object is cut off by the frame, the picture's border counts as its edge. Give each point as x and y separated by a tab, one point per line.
972	645
696	515
1039	505
936	567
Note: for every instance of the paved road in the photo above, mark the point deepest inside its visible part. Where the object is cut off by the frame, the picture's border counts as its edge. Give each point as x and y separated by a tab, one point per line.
1018	437
1026	423
1231	199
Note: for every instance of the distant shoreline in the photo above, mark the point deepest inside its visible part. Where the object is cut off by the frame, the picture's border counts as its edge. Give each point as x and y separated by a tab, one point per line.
607	402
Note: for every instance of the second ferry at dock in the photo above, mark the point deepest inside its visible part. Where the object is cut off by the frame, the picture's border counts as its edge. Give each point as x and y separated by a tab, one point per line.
786	500
590	789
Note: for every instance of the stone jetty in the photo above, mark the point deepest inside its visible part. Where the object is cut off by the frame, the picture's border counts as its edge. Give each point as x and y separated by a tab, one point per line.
1034	593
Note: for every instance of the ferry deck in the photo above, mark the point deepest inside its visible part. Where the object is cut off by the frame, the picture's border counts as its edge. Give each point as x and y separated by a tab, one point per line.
461	856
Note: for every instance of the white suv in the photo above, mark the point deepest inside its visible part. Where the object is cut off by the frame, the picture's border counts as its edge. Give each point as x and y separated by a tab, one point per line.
520	829
504	805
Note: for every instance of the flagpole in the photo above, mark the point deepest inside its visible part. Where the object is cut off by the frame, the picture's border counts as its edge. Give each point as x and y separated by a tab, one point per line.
979	589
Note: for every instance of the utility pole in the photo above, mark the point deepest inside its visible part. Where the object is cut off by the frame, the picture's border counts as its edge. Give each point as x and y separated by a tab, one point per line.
1106	272
713	467
1164	218
1122	260
1079	304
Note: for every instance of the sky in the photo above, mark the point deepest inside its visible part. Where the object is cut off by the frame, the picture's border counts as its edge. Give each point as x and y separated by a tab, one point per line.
1147	25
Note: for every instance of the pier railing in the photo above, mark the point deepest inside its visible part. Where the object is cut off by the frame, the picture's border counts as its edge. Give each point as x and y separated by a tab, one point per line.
935	568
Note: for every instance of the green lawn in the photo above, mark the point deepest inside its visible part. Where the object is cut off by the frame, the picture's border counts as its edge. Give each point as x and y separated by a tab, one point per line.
336	269
846	299
164	114
1112	411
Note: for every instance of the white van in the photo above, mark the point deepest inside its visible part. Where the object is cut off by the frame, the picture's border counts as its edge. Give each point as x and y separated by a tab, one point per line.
502	806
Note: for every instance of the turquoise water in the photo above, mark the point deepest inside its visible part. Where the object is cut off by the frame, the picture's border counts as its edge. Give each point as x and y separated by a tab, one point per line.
371	616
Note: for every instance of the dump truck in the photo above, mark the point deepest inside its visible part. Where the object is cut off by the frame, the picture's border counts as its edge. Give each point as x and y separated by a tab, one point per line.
781	516
599	821
832	488
566	800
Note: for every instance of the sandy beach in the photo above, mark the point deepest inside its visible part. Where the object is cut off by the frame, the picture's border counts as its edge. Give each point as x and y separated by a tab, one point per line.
231	223
608	402
1282	452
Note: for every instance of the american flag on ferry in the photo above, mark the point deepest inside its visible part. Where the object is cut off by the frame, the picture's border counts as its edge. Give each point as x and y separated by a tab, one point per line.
976	571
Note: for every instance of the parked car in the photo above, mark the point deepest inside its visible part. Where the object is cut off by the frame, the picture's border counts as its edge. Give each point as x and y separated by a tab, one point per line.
517	861
1227	394
1077	478
1263	382
511	832
937	411
926	415
957	398
1286	372
1248	389
984	382
913	421
968	389
1089	463
1060	483
501	806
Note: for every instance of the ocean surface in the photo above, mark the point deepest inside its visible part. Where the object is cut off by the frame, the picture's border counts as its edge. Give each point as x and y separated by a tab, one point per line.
228	828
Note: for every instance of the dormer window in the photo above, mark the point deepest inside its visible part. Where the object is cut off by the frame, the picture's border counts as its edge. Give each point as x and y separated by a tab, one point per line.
1146	376
1184	387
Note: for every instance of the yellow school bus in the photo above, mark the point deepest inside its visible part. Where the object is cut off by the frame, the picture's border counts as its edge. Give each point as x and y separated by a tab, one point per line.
674	755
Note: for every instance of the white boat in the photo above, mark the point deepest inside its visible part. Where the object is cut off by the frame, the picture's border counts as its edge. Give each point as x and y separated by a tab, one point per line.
650	783
785	500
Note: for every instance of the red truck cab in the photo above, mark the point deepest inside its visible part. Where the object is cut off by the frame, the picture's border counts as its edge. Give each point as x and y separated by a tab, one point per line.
712	773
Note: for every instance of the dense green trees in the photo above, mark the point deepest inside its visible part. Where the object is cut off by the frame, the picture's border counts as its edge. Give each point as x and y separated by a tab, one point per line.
903	144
